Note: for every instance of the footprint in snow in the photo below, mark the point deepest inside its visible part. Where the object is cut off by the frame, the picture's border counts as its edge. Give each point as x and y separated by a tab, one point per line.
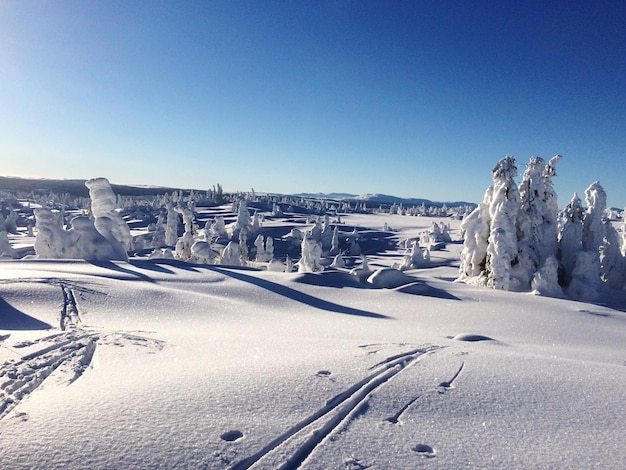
231	436
424	450
324	373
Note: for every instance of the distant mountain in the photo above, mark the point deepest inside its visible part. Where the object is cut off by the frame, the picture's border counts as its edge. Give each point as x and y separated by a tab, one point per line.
382	199
335	196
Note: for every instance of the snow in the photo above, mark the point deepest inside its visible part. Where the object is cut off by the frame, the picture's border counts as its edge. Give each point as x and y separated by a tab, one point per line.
162	363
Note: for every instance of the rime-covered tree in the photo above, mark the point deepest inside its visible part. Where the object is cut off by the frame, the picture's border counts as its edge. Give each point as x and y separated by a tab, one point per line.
81	241
334	245
106	219
537	218
503	210
594	229
570	238
612	264
6	250
171	227
601	237
476	228
201	253
230	254
244	221
416	257
10	224
311	254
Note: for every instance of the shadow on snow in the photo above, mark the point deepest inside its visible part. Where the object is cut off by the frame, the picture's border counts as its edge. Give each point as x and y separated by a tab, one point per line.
14	319
295	294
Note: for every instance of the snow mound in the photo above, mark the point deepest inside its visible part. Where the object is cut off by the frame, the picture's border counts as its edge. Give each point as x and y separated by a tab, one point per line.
389	278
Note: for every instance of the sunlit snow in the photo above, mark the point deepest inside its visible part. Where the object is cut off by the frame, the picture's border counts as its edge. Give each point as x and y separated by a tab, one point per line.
379	361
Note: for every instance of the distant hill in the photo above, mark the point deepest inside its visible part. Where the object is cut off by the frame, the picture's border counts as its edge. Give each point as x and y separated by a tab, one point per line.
74	187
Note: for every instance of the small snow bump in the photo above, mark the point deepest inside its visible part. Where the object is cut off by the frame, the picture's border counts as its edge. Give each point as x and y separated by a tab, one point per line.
471	338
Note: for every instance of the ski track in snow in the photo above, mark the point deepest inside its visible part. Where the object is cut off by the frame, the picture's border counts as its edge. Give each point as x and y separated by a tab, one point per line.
70	352
302	439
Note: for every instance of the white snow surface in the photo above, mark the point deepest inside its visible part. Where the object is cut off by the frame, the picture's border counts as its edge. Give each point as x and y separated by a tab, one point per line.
167	364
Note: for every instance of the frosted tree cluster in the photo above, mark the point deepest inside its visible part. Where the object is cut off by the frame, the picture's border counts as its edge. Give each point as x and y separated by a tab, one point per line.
516	239
105	237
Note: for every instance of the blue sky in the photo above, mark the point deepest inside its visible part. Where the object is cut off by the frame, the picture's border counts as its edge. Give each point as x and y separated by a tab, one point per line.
410	98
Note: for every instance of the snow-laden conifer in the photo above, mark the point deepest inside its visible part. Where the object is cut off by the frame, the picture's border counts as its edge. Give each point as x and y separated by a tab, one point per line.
173	221
475	228
311	255
106	219
537	219
570	238
503	210
81	241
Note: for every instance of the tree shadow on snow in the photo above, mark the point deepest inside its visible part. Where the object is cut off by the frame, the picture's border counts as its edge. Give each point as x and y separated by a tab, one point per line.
122	270
296	295
14	319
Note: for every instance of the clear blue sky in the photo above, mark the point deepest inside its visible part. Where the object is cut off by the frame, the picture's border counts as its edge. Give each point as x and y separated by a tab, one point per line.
410	98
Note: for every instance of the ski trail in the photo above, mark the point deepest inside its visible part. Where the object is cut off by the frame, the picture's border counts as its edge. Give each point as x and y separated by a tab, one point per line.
441	388
70	352
69	311
337	411
20	378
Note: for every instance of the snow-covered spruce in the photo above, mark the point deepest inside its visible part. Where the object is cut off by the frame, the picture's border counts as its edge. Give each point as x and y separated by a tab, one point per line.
531	246
310	260
106	219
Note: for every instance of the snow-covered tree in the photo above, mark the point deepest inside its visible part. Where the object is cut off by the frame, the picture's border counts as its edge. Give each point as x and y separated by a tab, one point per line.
310	260
416	257
570	238
585	279
243	248
171	228
52	240
185	242
546	280
106	219
476	228
244	221
503	210
183	246
612	263
338	261
201	253
334	245
218	229
594	229
599	236
537	219
158	233
230	254
264	249
10	224
6	250
81	241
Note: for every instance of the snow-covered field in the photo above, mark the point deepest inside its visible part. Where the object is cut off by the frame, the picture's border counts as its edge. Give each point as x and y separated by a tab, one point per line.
168	364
